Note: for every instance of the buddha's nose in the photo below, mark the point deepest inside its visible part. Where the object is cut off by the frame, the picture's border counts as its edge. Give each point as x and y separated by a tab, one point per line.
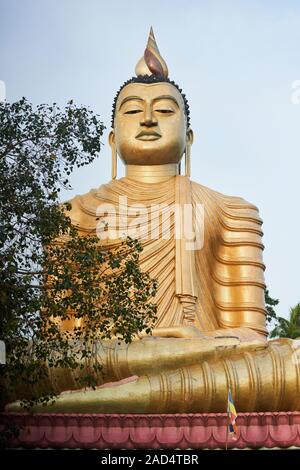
148	118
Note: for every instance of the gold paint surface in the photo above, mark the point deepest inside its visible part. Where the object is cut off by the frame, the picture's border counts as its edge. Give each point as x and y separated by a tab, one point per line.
210	332
150	124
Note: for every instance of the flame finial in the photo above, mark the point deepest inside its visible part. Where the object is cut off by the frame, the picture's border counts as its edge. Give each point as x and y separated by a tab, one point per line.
152	62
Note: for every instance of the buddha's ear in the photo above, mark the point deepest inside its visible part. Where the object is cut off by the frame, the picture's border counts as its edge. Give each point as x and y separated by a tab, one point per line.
114	157
112	139
189	136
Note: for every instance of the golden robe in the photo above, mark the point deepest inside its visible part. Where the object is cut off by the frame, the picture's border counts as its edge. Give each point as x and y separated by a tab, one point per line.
219	285
219	288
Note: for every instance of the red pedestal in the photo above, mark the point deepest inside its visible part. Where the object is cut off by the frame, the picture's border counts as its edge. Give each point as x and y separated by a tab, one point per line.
160	431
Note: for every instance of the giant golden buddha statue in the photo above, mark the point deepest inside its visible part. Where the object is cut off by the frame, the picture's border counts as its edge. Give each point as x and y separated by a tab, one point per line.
210	333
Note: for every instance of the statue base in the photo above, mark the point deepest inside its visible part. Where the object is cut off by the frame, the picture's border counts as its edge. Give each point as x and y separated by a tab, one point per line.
155	431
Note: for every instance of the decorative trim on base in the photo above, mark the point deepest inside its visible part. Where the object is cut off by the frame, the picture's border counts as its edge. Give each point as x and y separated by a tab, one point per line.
155	431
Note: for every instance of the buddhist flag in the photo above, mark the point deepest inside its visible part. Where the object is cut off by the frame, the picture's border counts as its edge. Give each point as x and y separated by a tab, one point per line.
232	415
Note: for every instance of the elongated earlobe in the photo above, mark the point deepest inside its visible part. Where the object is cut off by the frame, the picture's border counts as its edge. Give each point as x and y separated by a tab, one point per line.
114	155
188	160
114	160
189	141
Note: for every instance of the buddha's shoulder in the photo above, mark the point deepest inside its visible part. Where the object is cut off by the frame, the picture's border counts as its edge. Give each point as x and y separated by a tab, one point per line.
232	205
87	203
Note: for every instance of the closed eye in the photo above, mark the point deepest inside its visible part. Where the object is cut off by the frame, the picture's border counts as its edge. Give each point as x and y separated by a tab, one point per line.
133	111
165	111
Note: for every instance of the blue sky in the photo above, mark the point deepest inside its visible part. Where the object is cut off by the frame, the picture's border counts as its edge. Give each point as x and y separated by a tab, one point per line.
235	60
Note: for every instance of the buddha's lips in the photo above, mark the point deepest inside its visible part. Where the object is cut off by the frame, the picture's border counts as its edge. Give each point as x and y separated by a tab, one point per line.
144	135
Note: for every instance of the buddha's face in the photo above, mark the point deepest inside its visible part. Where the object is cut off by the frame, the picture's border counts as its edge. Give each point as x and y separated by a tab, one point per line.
150	124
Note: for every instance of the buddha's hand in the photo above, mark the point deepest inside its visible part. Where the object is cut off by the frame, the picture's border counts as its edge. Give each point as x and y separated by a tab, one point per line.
189	331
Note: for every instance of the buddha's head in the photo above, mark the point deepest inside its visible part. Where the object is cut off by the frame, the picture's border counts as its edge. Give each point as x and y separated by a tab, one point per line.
150	115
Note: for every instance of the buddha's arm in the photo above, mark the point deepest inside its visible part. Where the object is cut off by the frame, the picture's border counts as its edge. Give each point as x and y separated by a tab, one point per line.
149	356
153	355
238	270
242	334
261	379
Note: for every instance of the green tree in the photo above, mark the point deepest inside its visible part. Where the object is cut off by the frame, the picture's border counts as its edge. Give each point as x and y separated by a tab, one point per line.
288	328
270	303
48	273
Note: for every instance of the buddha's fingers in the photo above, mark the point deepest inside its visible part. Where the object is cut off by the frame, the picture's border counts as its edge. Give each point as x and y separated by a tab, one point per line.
180	331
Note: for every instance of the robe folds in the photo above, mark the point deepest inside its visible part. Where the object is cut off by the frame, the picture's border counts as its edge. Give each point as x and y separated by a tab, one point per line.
219	283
